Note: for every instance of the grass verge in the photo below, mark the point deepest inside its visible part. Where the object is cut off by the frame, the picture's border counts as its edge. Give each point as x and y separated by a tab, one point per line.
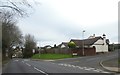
118	61
52	56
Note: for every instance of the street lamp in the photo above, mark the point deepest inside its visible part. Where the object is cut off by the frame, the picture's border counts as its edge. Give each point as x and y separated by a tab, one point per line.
39	51
39	48
83	43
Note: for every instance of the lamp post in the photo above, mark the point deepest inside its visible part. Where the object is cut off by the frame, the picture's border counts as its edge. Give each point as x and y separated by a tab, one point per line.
39	48
83	43
39	51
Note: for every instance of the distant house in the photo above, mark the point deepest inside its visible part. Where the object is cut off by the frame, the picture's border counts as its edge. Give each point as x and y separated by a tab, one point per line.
47	47
63	48
100	43
63	45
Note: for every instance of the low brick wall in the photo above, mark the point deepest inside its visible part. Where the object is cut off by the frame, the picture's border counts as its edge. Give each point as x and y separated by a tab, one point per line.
79	51
87	51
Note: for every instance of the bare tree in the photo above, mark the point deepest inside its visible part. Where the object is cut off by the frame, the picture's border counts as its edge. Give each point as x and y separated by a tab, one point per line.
30	44
11	34
18	7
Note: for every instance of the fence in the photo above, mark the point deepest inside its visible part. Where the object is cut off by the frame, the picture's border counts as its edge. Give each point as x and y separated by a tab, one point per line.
87	51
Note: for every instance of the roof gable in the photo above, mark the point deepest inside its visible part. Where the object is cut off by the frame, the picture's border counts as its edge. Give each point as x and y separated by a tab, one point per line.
63	43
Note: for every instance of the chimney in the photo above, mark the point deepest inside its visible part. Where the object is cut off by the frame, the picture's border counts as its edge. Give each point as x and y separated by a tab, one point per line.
104	39
104	35
93	35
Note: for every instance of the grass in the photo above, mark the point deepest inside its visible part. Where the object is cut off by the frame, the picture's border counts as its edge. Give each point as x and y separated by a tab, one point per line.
52	56
118	61
5	61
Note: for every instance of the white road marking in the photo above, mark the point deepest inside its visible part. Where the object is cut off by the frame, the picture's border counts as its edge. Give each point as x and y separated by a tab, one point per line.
40	71
73	66
16	60
26	59
23	61
105	72
80	67
61	64
85	68
96	70
99	70
69	65
91	68
65	65
28	64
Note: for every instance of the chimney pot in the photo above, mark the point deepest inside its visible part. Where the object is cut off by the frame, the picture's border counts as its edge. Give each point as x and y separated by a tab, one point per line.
93	35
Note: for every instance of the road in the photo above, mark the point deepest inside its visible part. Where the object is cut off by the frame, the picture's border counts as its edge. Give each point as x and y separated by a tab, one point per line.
88	64
89	61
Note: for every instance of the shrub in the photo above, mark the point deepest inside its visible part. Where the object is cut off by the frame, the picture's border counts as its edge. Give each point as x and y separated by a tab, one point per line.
71	44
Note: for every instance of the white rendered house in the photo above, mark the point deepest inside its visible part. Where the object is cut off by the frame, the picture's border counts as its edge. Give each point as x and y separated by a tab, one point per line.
100	43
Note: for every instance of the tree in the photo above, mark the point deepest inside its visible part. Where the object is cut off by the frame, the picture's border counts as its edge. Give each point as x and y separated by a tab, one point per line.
71	44
9	10
11	34
30	44
0	35
18	7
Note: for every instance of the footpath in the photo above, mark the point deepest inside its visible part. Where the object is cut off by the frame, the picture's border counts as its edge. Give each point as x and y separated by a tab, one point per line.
111	65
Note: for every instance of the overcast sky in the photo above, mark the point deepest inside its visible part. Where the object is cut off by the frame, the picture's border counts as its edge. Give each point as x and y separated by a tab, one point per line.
56	21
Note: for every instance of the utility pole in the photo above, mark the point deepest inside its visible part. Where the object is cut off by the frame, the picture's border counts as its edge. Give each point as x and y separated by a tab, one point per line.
83	43
39	51
39	48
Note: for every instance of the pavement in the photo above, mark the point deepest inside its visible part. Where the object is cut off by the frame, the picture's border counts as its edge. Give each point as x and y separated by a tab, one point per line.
111	65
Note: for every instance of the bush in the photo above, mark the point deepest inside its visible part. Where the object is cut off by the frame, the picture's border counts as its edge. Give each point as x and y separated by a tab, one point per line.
119	61
71	44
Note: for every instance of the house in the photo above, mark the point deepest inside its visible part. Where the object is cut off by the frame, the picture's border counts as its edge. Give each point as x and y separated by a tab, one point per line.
63	45
47	47
63	48
100	43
